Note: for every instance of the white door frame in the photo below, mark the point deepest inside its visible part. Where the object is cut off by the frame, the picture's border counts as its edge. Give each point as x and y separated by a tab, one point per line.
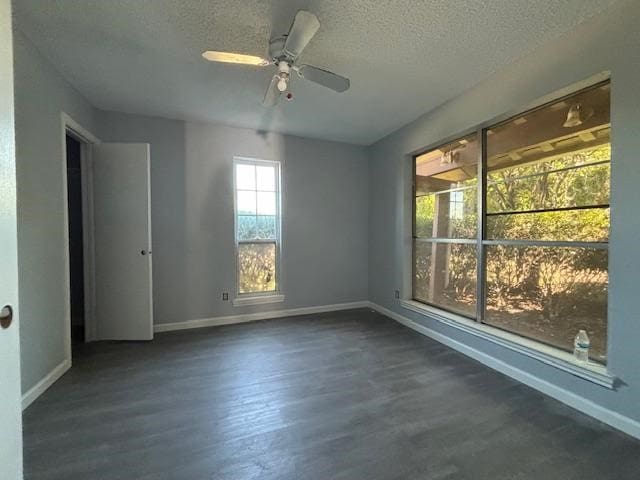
73	128
10	418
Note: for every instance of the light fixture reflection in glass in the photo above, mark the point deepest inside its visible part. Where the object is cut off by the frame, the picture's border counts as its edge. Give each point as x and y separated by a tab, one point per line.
577	115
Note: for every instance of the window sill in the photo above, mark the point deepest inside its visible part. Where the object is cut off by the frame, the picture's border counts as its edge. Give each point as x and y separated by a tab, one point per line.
257	300
591	371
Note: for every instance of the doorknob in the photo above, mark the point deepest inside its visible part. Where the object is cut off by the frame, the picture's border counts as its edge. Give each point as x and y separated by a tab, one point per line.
6	316
145	252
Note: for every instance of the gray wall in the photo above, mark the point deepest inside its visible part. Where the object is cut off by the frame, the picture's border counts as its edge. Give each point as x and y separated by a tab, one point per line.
325	187
41	94
330	233
324	235
608	42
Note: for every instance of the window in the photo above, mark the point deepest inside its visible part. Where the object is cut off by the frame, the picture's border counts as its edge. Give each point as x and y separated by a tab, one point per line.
257	225
531	257
446	223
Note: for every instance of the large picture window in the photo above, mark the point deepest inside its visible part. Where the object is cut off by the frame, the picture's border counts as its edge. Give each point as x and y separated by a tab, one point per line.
531	256
257	220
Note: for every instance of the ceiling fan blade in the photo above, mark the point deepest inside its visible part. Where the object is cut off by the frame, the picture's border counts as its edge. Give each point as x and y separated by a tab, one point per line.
324	78
272	95
304	27
239	58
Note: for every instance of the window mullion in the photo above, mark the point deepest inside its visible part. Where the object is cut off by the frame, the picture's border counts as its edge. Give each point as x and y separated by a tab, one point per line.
256	241
414	192
481	261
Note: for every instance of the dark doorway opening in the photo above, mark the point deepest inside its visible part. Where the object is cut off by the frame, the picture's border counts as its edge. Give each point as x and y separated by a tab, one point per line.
76	260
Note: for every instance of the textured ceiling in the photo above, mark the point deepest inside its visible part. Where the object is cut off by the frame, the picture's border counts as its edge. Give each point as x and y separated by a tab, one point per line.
404	57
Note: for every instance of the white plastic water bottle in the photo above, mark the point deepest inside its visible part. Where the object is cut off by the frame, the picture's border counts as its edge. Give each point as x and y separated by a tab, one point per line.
581	346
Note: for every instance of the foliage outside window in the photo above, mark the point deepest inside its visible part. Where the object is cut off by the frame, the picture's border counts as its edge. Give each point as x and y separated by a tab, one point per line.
446	192
257	220
531	257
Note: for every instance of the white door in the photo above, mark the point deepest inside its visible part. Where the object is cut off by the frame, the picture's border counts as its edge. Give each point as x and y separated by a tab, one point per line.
10	409
123	306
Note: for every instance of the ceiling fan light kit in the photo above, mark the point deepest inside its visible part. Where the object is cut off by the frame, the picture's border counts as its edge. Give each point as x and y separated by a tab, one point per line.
283	76
284	51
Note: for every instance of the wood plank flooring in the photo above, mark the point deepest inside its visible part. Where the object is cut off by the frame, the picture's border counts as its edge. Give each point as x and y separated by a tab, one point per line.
346	395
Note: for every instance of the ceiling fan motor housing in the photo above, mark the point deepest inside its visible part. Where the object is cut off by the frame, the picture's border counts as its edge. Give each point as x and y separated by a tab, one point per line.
276	50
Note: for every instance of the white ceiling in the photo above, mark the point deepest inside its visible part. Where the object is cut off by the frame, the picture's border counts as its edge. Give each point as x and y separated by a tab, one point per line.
404	57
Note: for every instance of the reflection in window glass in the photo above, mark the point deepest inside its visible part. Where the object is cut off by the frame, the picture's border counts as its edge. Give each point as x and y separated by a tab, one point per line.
549	293
453	214
446	191
548	180
590	225
545	223
445	275
446	209
456	205
552	184
554	198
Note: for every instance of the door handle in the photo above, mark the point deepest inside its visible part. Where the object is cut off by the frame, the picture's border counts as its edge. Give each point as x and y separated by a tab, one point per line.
6	316
145	252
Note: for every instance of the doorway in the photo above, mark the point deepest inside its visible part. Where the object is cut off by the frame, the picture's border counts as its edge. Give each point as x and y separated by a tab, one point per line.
76	243
108	284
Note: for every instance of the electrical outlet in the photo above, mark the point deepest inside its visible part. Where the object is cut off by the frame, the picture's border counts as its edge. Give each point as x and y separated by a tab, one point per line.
225	296
397	294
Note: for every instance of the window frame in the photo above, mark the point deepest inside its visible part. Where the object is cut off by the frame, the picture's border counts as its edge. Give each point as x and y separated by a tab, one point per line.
272	296
595	371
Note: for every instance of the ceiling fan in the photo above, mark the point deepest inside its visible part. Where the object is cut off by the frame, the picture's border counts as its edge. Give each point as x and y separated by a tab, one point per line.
283	53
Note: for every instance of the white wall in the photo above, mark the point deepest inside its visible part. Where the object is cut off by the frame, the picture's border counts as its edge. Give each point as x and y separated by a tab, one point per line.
611	41
324	234
41	94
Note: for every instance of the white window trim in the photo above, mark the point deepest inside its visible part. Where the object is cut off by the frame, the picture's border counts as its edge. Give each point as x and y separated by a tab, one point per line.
591	371
253	299
258	298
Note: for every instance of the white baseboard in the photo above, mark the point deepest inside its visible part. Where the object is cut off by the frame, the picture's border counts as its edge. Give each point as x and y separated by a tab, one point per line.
250	317
615	420
39	388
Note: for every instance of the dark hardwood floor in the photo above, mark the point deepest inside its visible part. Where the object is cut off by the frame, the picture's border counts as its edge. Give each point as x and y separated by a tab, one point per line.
345	395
